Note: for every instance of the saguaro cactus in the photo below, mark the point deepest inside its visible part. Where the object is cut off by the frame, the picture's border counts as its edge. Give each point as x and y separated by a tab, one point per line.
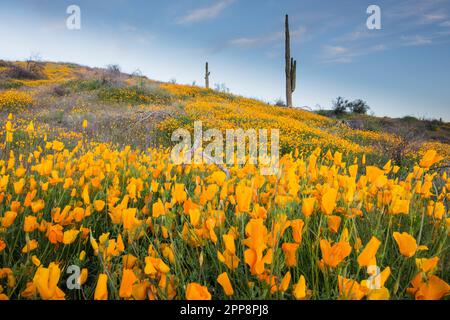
291	66
207	73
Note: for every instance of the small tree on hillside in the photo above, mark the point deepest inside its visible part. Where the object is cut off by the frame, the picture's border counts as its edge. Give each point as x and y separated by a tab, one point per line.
359	106
340	106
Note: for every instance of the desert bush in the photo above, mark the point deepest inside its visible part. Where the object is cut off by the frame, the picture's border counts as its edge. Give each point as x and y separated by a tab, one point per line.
34	72
340	106
114	69
83	85
112	75
408	139
410	119
280	103
60	91
433	125
221	87
358	106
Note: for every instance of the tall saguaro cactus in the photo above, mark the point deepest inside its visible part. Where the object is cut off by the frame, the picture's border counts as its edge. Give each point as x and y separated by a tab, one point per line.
207	73
291	66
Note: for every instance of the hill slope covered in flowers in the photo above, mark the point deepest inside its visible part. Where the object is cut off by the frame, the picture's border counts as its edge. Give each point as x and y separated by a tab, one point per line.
86	181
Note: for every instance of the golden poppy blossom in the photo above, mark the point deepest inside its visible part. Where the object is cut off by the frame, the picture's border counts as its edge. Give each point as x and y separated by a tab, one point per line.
224	281
284	285
427	265
334	255
229	256
300	291
350	289
126	286
432	289
101	290
195	291
297	230
290	252
46	281
308	206
256	242
329	201
333	223
367	256
430	157
406	244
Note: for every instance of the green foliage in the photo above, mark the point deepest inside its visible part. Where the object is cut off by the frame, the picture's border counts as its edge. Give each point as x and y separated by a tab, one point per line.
358	106
340	106
83	85
135	95
9	84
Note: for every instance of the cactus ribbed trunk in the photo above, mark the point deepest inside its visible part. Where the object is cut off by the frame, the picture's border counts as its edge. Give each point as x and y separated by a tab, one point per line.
291	66
207	73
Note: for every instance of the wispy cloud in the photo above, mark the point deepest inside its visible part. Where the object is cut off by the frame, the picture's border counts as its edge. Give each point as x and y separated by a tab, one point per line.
416	40
205	13
340	54
402	25
139	35
334	50
275	37
434	17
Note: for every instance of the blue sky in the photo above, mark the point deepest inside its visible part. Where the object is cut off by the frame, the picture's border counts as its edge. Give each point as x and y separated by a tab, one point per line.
402	69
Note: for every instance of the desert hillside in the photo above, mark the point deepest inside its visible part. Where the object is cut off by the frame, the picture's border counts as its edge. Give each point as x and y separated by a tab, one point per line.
133	109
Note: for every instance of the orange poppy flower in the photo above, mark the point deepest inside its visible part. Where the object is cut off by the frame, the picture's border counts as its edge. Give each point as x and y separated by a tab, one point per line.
350	289
329	201
126	286
195	291
406	244
101	290
430	157
284	285
290	253
243	198
308	206
427	265
99	205
46	281
297	229
334	255
224	281
333	223
158	209
300	291
367	256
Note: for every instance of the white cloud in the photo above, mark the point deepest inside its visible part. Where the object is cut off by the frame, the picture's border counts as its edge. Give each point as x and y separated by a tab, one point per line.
335	50
434	17
251	42
340	54
336	54
205	13
416	40
257	41
400	25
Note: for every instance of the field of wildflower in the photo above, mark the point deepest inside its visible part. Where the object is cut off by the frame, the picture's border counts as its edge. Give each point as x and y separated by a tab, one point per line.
87	184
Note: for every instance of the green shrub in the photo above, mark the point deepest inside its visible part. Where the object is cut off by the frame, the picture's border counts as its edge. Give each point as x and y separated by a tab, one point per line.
135	95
